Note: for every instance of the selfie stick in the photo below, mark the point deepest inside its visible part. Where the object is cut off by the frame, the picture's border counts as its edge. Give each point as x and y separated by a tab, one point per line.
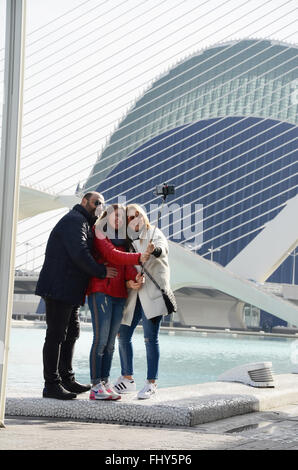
158	216
163	191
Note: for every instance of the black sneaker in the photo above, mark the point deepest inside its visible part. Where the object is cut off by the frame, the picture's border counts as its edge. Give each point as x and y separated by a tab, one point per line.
75	387
58	392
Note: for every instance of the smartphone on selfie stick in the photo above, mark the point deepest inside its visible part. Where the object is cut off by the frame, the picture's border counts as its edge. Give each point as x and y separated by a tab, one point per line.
162	190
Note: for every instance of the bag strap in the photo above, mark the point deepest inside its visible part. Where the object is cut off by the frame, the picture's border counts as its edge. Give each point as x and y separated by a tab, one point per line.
148	274
152	279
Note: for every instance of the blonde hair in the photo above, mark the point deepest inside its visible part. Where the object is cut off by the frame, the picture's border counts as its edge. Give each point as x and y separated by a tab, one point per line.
141	211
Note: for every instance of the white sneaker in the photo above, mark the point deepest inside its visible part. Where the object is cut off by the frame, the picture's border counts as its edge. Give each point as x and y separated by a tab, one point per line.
123	385
147	391
110	389
99	392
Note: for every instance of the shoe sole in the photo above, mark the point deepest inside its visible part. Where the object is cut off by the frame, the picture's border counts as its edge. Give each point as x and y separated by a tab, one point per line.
77	392
94	397
98	399
114	397
109	398
60	398
147	397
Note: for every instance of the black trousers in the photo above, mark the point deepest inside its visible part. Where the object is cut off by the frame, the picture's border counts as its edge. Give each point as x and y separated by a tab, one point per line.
63	329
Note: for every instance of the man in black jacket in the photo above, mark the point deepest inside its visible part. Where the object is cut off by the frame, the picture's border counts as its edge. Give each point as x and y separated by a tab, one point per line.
62	283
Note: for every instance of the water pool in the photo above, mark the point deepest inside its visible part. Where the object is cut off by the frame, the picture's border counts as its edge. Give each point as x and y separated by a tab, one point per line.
186	357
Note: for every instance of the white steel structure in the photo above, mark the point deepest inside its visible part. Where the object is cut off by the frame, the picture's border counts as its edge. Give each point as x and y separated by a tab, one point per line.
262	256
222	291
34	201
9	173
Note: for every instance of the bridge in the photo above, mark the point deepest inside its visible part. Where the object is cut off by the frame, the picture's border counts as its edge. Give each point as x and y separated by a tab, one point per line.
208	291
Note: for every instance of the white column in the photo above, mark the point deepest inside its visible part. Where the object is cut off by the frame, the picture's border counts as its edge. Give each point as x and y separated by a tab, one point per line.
9	173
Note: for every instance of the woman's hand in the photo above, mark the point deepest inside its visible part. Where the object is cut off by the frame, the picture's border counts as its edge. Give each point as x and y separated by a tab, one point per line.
140	279
146	255
133	285
137	284
150	248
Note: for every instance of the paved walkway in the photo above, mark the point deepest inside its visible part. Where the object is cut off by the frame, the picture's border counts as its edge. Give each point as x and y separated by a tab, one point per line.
272	429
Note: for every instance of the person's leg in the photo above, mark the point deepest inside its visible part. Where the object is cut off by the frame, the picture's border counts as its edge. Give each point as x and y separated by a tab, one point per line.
67	347
125	343
57	319
117	305
151	331
117	312
66	355
101	314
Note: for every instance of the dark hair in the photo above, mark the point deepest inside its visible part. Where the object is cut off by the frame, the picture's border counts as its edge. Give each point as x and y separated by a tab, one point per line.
102	222
89	194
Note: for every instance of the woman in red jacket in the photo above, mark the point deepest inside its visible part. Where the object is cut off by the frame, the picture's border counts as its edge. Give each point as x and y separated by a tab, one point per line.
106	297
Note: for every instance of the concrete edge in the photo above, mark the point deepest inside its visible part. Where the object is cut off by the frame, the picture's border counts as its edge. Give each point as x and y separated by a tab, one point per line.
175	406
102	412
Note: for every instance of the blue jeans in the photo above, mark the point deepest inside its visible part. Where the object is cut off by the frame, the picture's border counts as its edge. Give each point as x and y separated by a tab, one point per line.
106	313
151	330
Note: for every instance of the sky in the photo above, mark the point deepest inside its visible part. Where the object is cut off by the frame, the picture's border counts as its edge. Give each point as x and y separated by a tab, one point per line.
87	61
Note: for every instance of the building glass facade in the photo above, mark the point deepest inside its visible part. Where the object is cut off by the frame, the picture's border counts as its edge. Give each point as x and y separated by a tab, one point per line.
222	127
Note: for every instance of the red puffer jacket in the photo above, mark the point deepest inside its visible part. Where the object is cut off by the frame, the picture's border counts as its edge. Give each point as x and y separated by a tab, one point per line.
105	252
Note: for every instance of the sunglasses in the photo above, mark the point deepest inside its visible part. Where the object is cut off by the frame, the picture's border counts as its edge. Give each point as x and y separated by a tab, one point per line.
98	203
136	216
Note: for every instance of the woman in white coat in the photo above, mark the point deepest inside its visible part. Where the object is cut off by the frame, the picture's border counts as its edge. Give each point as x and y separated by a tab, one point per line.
144	302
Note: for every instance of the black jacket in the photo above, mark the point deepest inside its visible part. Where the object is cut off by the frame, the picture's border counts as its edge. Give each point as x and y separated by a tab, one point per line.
68	263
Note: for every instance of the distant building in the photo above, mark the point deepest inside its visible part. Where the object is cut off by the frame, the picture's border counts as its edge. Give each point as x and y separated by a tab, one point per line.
222	127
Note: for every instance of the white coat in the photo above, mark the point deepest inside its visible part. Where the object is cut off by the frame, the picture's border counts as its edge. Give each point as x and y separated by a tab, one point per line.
150	296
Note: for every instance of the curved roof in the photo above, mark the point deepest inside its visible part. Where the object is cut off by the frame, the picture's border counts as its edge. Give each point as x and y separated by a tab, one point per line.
252	77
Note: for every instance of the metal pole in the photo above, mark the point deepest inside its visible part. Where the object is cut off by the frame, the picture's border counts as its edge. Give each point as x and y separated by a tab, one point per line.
9	173
294	266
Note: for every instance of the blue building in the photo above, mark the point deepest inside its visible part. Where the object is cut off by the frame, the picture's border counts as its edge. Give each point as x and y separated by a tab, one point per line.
222	127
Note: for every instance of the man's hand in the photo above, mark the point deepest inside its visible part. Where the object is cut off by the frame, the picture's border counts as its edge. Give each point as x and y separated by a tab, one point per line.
111	272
